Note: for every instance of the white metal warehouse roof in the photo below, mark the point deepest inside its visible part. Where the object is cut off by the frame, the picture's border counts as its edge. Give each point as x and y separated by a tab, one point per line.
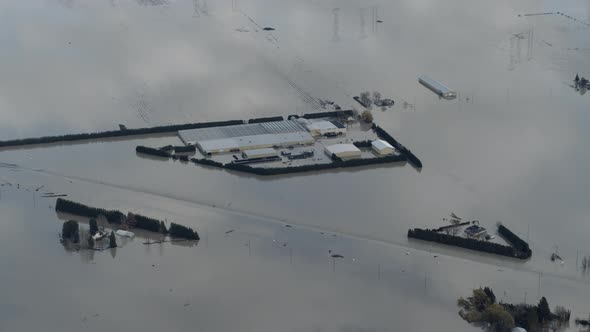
204	134
342	148
381	144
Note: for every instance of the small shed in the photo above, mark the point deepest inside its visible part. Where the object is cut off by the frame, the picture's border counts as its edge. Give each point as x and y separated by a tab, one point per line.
382	147
347	151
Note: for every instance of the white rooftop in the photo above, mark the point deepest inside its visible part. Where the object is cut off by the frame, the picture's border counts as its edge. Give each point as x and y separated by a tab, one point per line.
321	125
342	148
248	142
259	152
381	144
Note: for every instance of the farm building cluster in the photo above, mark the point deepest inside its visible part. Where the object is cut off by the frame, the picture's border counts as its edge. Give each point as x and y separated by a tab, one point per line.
293	139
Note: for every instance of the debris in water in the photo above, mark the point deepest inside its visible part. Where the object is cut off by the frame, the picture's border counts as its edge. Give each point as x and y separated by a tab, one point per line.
268	29
230	231
337	256
379	21
288	226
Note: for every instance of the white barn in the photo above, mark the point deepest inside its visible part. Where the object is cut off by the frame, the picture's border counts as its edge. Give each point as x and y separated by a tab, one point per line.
346	151
382	147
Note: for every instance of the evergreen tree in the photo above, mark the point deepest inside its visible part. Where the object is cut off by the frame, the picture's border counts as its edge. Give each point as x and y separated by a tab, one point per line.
90	242
112	240
490	294
70	231
163	228
543	310
93	227
577	78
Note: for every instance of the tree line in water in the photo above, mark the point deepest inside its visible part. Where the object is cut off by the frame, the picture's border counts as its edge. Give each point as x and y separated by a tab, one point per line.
118	218
482	307
467	243
117	133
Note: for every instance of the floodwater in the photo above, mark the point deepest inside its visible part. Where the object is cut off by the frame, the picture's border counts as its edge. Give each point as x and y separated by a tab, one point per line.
511	148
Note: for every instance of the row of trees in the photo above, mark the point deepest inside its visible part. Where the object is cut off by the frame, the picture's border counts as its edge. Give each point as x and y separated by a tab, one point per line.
185	148
332	114
381	133
482	307
362	144
208	162
147	223
183	232
518	243
112	216
152	151
267	119
117	133
467	243
117	217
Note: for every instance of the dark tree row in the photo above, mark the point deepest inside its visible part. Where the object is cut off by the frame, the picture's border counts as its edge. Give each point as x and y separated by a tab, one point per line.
268	119
64	205
149	224
70	230
152	151
117	133
316	167
362	144
185	148
135	220
207	162
332	114
183	232
514	240
402	149
473	244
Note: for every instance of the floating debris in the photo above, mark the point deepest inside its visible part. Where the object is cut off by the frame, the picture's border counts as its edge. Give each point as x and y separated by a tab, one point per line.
230	231
337	256
268	29
379	21
288	226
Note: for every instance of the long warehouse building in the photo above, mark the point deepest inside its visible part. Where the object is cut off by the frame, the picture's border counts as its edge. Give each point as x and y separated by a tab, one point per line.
228	139
437	88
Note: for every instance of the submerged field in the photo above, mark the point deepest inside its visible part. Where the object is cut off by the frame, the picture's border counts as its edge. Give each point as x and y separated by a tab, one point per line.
510	148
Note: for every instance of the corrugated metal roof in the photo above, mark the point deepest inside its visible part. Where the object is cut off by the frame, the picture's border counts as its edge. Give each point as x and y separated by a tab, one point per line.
342	148
252	129
381	144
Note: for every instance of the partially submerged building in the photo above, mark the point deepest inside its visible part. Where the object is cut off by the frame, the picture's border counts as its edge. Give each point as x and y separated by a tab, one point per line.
436	87
344	151
475	231
229	139
381	147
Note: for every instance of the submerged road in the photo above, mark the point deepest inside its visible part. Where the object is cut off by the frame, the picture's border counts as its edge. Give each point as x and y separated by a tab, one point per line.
275	220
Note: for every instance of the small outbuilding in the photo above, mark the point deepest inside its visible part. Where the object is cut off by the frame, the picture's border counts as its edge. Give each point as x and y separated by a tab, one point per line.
382	147
345	151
